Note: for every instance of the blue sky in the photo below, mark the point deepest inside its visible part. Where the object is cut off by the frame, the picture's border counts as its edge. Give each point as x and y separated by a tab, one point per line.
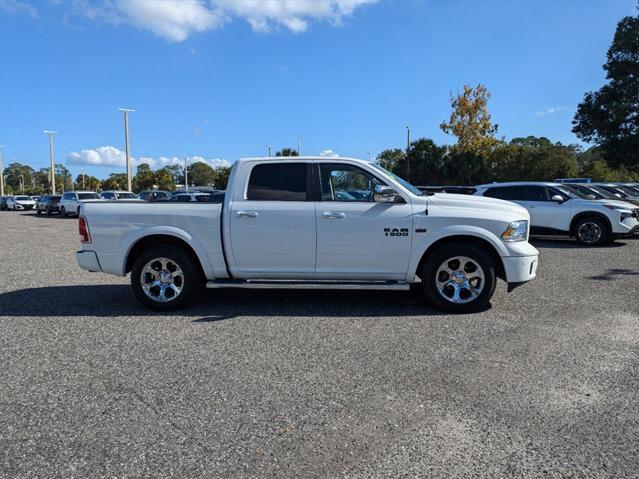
222	79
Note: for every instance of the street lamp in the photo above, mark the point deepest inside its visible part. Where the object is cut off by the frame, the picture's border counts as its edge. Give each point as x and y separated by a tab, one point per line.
82	173
126	146
52	172
186	174
1	172
407	153
21	183
299	146
269	151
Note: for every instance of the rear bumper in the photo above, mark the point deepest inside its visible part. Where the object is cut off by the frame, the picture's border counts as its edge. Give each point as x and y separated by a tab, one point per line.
88	260
519	269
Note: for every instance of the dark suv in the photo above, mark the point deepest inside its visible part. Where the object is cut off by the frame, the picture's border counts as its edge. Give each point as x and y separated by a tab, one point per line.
48	204
154	195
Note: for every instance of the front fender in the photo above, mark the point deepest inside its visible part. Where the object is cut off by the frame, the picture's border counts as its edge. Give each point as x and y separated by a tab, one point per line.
131	238
420	247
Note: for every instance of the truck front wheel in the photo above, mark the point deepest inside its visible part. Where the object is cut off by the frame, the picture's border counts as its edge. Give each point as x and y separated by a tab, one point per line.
459	278
165	278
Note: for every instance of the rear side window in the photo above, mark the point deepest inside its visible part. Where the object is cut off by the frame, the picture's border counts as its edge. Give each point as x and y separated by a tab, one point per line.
519	193
278	182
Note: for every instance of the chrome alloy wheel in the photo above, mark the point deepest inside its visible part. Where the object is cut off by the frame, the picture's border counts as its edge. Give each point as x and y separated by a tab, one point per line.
460	279
589	232
162	280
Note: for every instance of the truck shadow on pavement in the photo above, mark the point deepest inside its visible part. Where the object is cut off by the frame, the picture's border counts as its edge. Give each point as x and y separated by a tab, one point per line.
214	305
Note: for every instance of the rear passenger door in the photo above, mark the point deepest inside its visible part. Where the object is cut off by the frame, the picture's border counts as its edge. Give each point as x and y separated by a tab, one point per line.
273	232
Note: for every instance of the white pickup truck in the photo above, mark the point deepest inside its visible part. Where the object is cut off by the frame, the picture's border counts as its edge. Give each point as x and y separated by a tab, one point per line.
307	222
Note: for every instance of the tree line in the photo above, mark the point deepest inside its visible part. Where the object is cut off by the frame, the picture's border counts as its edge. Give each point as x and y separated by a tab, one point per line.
608	119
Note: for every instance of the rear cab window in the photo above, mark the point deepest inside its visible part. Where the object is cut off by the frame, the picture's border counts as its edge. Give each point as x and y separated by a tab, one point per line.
279	182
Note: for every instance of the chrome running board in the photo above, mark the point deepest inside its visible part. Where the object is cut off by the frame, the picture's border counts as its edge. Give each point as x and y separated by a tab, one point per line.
302	284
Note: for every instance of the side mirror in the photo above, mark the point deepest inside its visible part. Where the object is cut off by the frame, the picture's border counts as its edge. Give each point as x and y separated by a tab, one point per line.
557	198
384	194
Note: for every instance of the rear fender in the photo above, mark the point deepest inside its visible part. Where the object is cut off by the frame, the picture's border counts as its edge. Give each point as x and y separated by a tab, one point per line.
138	234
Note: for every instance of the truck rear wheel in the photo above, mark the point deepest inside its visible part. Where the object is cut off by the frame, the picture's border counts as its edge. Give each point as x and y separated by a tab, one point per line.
459	278
165	278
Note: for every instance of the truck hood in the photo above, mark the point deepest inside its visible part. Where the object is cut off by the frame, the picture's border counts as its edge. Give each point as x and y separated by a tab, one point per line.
478	203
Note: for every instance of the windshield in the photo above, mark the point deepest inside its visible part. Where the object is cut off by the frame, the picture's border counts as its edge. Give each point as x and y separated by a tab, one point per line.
88	196
604	193
614	190
627	190
22	198
570	193
125	196
414	190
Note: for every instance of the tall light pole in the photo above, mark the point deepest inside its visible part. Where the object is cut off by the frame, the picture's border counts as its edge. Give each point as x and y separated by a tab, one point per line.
299	146
407	154
186	174
269	151
1	172
21	183
52	172
126	146
82	173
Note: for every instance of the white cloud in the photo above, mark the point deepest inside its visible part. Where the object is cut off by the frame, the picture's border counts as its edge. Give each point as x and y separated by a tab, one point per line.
329	153
18	6
113	157
551	110
176	20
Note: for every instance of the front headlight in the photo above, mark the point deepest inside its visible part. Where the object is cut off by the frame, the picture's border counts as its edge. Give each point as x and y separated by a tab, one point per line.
516	231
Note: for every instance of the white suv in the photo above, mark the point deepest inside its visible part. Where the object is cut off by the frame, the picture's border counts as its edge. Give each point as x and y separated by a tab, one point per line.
71	201
557	210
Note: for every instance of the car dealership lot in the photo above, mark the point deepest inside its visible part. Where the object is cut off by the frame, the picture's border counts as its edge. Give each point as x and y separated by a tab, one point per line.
321	384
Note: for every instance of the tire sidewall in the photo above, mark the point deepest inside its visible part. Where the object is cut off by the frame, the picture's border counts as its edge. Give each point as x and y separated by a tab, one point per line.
192	278
438	257
604	231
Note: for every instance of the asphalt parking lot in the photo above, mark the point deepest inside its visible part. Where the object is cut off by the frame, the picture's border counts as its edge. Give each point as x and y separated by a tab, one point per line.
315	384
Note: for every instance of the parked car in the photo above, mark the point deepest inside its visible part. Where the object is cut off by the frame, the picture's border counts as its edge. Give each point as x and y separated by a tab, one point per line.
71	201
283	224
556	210
187	197
48	204
588	194
608	193
154	195
626	194
20	203
118	195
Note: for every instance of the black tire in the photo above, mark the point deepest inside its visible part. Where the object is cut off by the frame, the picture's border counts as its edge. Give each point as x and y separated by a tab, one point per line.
48	211
191	284
592	231
444	257
78	212
63	211
38	211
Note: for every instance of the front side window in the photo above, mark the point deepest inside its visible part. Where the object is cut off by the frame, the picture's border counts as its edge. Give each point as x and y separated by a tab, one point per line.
278	182
342	182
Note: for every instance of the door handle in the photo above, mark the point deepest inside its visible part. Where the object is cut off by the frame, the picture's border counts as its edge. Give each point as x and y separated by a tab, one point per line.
329	215
247	214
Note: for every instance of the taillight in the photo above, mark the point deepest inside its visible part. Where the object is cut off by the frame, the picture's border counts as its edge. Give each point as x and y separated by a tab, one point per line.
83	226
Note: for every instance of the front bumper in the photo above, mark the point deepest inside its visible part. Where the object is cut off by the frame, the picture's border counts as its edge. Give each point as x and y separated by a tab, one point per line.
519	269
88	260
21	207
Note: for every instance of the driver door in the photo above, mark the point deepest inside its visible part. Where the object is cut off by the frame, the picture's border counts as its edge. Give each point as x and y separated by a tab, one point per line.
358	238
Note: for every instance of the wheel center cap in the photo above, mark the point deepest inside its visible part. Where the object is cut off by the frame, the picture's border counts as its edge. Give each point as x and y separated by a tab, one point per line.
459	277
166	277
